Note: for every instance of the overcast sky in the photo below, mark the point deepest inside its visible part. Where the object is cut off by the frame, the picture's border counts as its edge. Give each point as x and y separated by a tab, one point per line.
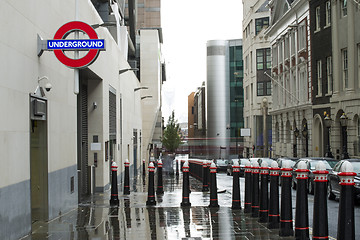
187	26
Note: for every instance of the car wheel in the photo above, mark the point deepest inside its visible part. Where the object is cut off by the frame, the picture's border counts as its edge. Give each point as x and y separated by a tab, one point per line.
310	188
330	194
293	184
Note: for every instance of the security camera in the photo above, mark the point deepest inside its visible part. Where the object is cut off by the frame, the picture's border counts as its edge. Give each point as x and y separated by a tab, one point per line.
48	87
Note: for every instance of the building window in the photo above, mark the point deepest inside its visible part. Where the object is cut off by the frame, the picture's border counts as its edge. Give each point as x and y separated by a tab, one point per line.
268	58
344	55
280	52
292	41
343	8
274	55
263	59
302	37
286	47
358	60
259	59
328	14
317	19
329	74
251	61
247	93
260	24
260	88
268	88
319	80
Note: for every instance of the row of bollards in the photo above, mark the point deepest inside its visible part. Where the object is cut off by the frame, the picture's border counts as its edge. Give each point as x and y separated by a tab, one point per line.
264	206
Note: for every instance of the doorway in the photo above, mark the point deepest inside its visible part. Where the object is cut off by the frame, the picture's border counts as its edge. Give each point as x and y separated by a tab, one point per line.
39	170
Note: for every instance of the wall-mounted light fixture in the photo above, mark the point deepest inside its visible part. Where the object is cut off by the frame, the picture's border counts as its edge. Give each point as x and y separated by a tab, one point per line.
128	69
139	88
148	96
105	24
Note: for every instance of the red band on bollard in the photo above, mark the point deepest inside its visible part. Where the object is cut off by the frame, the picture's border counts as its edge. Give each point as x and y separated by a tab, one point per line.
285	220
305	228
320	237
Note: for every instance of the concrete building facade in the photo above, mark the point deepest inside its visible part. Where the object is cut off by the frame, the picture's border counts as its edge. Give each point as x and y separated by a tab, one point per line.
292	116
257	85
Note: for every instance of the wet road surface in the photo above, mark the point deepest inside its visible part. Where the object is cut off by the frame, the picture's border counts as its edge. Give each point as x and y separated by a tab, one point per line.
95	219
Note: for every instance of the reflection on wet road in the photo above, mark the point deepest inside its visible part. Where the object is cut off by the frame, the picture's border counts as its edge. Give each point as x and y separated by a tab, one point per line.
95	219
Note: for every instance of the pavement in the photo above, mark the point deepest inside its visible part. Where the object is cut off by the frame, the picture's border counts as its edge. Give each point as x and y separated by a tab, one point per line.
95	219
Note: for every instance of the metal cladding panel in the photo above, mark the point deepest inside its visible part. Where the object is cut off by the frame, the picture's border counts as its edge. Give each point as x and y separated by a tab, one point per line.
218	92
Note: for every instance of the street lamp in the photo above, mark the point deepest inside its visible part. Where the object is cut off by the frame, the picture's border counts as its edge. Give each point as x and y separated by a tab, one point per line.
296	134
343	123
327	122
305	135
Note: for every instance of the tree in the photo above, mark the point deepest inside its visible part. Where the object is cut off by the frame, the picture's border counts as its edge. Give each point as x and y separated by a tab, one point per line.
171	139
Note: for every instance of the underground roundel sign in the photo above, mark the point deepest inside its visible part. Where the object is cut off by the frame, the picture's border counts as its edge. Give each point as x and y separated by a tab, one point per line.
60	44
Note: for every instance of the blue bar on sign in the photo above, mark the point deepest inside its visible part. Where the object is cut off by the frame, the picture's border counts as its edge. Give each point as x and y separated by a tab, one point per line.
76	44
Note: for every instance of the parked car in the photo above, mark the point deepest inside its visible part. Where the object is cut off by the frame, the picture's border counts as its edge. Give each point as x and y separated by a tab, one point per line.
221	165
333	179
241	161
282	159
311	164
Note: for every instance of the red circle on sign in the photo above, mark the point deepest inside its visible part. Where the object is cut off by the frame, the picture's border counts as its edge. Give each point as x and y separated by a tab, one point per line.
63	32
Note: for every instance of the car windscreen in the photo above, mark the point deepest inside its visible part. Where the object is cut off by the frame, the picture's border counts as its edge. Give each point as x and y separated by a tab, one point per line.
314	163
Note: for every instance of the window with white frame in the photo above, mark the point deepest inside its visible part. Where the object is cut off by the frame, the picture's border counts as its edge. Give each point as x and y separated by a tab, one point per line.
286	47
247	63
319	80
302	37
344	55
251	61
292	43
343	8
358	61
329	74
327	14
274	56
280	51
317	19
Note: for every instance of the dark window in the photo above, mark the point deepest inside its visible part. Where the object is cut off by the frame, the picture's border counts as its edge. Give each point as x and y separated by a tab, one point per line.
263	59
261	23
192	110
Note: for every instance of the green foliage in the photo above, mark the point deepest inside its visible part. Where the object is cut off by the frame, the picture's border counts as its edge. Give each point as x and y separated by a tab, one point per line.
171	139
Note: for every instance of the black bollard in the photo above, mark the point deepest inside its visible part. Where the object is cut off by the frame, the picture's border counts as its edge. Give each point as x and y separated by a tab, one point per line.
346	223
264	193
302	211
286	222
320	217
236	202
126	178
185	191
205	172
177	167
213	187
160	189
255	190
144	170
247	173
151	190
208	168
114	199
274	216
